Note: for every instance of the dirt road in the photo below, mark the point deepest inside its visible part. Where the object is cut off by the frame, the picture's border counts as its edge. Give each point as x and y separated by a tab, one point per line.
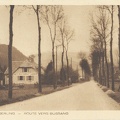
84	96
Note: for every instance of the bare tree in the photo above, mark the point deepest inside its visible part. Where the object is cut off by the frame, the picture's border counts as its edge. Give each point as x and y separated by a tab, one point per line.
66	37
37	12
51	15
111	11
98	47
104	21
96	65
100	33
10	51
111	48
62	28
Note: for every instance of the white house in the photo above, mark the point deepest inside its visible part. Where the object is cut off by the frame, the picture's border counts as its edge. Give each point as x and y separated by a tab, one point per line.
24	72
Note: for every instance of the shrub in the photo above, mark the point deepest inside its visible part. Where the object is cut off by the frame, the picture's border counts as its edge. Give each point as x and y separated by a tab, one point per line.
104	88
110	93
49	75
73	74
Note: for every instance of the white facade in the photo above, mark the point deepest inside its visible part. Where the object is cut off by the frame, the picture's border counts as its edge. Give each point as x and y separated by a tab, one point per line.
25	73
22	77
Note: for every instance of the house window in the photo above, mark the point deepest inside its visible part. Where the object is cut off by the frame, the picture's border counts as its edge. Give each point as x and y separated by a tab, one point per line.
21	78
30	77
25	69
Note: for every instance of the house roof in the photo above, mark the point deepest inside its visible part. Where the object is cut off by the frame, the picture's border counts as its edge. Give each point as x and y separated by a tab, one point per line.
27	63
15	66
21	64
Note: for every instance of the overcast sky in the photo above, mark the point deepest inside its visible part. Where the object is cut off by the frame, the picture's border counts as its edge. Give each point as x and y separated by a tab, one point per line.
25	29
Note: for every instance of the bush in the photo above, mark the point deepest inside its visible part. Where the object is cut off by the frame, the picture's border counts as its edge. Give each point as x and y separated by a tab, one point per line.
49	77
73	74
104	88
110	93
100	86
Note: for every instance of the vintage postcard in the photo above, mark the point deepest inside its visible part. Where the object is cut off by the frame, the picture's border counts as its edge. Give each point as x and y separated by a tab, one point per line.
60	60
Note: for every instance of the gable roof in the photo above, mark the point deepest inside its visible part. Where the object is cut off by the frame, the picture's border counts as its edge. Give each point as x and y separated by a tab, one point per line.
15	66
30	64
27	63
22	64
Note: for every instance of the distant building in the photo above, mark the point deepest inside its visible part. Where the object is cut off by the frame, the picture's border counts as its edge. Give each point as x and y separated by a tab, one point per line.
24	72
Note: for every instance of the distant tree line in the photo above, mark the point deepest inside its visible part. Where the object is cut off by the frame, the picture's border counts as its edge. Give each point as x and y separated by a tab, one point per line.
61	75
85	66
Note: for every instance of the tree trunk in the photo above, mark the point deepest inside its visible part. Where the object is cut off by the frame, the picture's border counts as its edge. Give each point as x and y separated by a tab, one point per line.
10	51
56	64
103	68
107	67
111	54
67	68
39	51
119	34
82	73
100	72
53	58
62	61
99	69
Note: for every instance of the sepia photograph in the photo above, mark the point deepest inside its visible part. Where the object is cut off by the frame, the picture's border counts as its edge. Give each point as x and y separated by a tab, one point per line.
55	59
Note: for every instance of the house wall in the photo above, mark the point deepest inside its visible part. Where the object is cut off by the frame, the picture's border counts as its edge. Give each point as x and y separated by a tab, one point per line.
26	80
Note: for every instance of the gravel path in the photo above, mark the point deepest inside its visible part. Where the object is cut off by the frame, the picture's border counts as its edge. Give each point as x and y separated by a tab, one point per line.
84	96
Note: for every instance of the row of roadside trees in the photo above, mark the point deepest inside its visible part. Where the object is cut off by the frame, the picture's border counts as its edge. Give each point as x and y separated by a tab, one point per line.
60	32
102	38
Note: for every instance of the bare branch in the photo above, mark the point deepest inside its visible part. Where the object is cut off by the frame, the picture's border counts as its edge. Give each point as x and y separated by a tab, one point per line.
34	9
